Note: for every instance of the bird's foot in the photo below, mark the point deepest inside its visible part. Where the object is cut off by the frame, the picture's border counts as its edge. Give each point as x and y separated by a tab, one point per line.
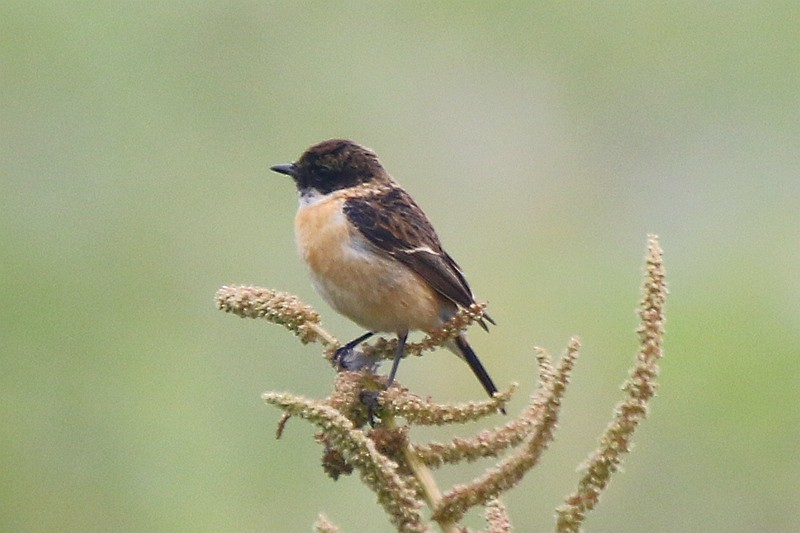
370	400
341	357
348	357
353	359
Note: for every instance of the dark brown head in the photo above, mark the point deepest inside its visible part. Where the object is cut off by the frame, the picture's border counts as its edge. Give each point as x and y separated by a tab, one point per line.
333	165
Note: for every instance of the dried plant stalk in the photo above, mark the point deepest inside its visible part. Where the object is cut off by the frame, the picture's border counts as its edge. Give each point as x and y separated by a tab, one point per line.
490	443
415	410
276	306
640	388
324	525
374	440
377	471
509	472
497	517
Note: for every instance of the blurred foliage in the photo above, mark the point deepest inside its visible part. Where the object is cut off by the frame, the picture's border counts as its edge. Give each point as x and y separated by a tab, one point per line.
543	139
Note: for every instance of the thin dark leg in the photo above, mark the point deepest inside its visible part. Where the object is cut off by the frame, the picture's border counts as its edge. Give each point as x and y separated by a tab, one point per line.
401	346
355	342
370	398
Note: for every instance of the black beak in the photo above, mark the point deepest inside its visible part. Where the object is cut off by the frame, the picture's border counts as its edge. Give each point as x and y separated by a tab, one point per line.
287	168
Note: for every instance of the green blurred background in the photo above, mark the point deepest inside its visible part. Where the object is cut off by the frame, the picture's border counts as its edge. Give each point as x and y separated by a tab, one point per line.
543	139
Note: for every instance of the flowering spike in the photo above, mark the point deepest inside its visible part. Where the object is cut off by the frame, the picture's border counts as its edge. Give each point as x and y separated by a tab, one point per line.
640	388
415	410
364	436
324	525
545	407
276	306
377	472
497	517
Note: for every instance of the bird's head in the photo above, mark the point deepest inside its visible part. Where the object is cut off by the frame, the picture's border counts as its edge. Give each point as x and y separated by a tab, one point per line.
333	165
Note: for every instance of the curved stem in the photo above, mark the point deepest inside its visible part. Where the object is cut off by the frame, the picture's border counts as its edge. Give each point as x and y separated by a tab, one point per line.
424	476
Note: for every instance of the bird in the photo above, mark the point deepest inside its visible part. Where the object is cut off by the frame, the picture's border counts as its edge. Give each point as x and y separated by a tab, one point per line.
371	252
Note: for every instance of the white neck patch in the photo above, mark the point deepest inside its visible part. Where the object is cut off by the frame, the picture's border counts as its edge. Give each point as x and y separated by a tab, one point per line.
311	196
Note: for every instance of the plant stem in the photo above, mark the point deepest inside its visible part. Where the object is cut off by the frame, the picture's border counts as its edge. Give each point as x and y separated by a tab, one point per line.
424	476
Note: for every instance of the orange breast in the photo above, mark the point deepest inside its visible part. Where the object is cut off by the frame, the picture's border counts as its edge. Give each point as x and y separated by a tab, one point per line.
369	287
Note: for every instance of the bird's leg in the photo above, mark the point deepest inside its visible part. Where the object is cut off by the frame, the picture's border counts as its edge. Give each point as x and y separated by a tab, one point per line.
370	398
401	346
340	355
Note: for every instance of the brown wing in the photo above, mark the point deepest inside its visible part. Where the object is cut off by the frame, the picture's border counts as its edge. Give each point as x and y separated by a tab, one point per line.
390	220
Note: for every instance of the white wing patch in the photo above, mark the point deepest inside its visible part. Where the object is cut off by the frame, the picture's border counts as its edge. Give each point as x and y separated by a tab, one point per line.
425	249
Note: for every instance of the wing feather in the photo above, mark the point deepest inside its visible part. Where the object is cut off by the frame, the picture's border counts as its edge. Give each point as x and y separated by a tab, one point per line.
391	220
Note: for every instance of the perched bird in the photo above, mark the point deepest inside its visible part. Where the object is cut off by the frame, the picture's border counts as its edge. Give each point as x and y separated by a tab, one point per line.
372	253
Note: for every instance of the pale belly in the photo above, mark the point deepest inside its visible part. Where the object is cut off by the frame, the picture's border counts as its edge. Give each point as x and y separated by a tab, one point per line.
373	290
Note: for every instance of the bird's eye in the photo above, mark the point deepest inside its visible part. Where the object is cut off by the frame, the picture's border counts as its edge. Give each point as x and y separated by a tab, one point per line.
324	172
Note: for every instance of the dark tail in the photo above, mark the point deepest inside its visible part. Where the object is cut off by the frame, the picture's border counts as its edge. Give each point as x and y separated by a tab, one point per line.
475	365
